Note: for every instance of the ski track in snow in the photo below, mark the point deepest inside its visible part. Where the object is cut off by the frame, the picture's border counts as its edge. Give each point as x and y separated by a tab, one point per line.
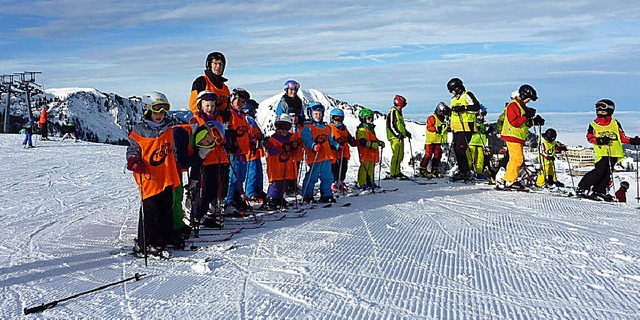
447	250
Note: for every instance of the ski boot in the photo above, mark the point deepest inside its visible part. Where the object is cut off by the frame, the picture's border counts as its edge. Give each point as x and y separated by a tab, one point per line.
309	199
327	199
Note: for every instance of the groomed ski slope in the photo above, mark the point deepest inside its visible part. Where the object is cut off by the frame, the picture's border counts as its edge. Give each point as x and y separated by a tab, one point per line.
444	251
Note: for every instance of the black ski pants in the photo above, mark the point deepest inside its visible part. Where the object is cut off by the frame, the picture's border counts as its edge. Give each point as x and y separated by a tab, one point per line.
156	219
339	171
460	145
598	179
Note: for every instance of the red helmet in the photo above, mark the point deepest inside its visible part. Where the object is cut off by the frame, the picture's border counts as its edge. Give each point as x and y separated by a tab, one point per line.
399	101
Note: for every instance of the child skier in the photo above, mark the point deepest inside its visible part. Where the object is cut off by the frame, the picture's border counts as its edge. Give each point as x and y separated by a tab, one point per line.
28	134
475	152
150	156
396	132
607	136
548	146
437	134
208	182
281	166
69	130
318	141
621	194
464	106
515	128
298	155
341	158
255	178
239	128
368	152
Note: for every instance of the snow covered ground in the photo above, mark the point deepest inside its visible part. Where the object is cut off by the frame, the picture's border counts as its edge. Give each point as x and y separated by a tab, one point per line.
443	251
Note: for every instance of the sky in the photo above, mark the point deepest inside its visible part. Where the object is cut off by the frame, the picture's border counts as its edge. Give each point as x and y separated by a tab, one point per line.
572	52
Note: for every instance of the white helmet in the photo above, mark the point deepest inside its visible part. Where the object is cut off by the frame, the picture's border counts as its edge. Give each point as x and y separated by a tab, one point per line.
205	95
154	98
284	118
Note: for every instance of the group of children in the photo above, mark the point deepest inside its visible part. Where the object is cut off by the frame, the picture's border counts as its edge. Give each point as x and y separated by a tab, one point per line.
604	132
222	148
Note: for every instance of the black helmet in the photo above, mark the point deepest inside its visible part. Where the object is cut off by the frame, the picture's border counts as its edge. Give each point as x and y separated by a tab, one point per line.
624	184
215	55
455	85
442	110
606	105
550	135
527	91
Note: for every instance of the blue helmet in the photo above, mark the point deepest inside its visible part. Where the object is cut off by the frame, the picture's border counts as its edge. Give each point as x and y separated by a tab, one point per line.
291	84
337	113
250	107
315	106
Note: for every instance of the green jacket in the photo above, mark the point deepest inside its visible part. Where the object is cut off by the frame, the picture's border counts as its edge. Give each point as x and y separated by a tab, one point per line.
395	125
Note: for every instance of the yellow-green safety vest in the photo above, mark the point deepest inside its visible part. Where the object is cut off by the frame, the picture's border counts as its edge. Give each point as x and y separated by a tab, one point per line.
479	138
509	130
457	118
437	138
614	148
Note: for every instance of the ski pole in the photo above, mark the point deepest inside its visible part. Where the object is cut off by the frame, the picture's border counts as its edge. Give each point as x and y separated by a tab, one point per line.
284	181
244	195
611	167
54	303
413	162
144	234
637	189
566	156
340	169
309	173
379	166
540	156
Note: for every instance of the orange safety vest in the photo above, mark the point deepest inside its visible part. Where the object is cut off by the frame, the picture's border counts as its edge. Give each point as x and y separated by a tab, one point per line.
157	154
369	154
280	166
241	126
217	155
320	136
259	152
341	136
298	155
222	94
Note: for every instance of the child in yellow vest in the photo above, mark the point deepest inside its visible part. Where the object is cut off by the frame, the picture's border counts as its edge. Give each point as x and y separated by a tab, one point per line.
437	134
548	146
607	137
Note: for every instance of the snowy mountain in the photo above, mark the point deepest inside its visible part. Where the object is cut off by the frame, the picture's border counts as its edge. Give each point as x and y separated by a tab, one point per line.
437	251
98	116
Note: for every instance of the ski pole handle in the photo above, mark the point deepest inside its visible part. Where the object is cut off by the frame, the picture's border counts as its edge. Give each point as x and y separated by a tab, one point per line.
40	308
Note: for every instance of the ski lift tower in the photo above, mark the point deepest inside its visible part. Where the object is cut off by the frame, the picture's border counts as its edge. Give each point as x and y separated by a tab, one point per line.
6	83
28	85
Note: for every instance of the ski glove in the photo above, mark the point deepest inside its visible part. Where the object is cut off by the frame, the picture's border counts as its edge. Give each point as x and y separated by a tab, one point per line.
529	113
136	165
538	121
561	148
317	147
457	108
409	135
603	141
551	158
380	144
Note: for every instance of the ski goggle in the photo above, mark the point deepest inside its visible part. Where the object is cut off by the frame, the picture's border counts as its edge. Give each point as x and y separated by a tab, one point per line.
292	85
209	97
337	118
603	106
286	126
160	107
240	92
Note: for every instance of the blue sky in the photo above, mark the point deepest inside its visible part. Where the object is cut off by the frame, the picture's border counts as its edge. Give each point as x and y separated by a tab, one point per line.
572	52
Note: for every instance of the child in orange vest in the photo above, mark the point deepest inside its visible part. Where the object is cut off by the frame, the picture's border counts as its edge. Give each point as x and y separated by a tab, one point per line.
341	158
281	167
